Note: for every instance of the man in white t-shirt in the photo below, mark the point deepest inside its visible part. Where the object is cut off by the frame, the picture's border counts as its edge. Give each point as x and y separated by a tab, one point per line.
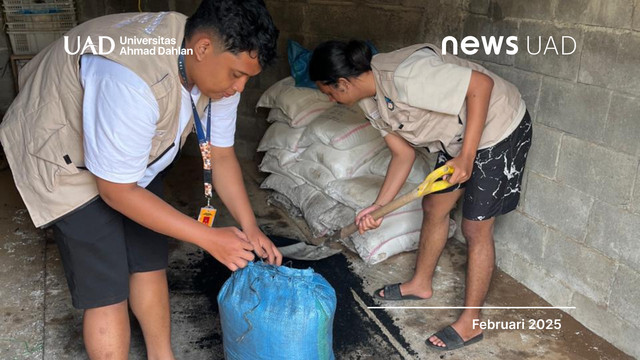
114	248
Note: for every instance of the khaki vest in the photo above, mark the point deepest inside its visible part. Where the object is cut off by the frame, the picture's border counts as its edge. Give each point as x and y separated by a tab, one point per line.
42	131
433	130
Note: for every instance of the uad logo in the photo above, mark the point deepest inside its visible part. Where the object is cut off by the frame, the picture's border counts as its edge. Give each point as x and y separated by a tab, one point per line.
96	49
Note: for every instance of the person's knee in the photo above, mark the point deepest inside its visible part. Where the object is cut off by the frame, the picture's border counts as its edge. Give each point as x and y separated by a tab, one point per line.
109	310
434	210
477	231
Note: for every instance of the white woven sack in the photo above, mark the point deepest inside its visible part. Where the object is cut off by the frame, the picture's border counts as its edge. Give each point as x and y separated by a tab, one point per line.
280	136
380	164
277	115
314	203
399	232
280	184
337	217
343	163
271	165
312	173
285	158
301	105
341	127
360	192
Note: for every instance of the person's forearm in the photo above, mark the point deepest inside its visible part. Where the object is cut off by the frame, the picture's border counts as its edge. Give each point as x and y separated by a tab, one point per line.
397	174
229	185
150	211
477	99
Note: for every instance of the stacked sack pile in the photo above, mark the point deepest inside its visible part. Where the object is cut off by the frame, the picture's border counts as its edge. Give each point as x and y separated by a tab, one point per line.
326	162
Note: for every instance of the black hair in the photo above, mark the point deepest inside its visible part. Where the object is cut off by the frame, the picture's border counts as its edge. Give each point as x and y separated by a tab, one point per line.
241	25
333	60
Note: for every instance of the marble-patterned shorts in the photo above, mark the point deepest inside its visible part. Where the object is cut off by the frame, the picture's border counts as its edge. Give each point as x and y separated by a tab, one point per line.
494	186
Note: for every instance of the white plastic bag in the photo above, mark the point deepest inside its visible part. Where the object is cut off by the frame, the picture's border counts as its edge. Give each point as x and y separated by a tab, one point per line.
343	163
341	127
301	105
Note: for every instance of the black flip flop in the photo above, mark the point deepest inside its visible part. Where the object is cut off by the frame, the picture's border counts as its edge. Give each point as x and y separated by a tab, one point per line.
392	293
450	337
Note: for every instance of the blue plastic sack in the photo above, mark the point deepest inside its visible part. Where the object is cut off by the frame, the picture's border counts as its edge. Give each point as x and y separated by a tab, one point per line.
299	58
275	312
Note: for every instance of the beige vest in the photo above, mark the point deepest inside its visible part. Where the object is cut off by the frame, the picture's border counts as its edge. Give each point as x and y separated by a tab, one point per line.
42	131
433	130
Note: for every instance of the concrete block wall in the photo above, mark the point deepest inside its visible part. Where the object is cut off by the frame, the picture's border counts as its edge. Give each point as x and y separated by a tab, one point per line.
574	237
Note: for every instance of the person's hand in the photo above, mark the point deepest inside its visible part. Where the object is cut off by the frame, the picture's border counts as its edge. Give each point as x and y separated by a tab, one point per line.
230	246
263	246
365	221
462	167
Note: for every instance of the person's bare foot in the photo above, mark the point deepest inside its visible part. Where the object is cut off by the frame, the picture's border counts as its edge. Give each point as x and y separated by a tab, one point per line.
410	289
464	328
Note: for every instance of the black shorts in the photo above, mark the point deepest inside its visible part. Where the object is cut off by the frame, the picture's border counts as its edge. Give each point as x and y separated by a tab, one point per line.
100	247
494	186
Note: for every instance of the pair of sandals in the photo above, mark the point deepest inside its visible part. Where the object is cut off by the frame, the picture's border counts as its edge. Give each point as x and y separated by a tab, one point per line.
449	336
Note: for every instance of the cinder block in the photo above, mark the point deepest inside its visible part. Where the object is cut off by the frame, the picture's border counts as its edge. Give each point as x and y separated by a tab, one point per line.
617	331
587	271
627	71
623	124
625	294
635	199
479	26
575	108
609	13
523	192
477	6
636	16
288	16
533	38
558	206
528	84
541	282
614	232
364	22
521	235
504	257
441	18
599	52
540	9
543	154
605	174
248	101
245	150
250	128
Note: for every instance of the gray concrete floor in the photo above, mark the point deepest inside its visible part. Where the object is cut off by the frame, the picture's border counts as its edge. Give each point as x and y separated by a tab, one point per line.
38	321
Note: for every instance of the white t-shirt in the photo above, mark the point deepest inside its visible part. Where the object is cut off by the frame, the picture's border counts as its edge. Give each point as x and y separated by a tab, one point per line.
443	88
119	120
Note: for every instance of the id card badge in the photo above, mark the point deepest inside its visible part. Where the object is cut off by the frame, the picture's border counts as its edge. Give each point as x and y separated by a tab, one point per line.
207	215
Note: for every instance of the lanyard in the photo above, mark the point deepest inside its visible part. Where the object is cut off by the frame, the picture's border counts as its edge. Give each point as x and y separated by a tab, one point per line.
203	138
